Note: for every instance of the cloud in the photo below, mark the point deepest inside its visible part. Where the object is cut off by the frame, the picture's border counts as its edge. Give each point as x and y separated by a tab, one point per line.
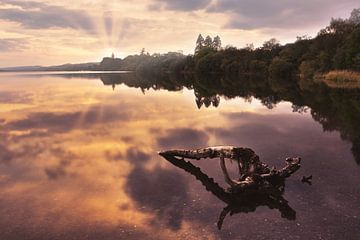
253	14
12	44
65	158
63	122
179	5
136	155
15	97
36	15
270	135
5	154
114	156
133	27
28	151
55	173
183	138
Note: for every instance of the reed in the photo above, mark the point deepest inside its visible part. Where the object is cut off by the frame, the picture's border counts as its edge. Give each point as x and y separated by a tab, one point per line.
342	79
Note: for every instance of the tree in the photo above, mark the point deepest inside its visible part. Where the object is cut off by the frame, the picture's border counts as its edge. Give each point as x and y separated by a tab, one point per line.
250	47
302	38
199	43
355	16
339	26
217	43
307	69
271	44
208	41
280	69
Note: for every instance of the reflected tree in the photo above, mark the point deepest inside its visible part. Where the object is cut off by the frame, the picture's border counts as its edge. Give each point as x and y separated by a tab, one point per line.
335	109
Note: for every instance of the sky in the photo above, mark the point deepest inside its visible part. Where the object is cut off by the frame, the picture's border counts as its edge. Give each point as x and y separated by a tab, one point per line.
61	31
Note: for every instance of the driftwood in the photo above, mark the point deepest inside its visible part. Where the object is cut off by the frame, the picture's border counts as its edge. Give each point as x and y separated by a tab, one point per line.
252	172
258	185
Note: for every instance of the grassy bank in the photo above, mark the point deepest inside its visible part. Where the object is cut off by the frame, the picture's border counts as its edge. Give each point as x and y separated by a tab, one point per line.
341	79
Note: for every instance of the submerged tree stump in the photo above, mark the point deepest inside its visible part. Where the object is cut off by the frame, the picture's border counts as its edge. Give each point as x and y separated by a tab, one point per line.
257	185
253	174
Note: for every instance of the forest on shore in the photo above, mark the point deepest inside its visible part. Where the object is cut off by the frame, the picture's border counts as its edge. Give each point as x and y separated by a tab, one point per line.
334	53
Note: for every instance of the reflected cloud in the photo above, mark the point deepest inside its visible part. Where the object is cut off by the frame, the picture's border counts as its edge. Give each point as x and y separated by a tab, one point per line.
5	154
64	160
103	181
55	173
67	121
286	133
28	151
114	155
183	138
159	191
15	97
135	155
30	135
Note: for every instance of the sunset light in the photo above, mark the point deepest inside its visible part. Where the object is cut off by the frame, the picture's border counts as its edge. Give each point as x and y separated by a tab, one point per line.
179	119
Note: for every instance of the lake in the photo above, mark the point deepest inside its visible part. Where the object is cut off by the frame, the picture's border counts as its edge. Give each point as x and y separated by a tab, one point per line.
79	156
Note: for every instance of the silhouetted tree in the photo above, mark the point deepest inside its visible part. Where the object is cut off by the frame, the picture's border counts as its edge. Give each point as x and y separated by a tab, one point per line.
249	47
208	42
199	43
217	43
271	44
355	16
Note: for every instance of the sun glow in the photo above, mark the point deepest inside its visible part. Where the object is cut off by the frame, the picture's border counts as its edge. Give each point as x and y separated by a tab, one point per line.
107	52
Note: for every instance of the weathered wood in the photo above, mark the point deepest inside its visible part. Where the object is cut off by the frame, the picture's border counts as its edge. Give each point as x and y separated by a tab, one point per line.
258	186
252	172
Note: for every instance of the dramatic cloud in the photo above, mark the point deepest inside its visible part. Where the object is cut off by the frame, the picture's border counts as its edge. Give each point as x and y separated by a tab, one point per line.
183	138
86	31
179	5
36	15
12	44
254	14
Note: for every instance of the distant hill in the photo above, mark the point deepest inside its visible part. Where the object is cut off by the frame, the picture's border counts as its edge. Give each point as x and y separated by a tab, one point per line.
74	67
65	67
22	68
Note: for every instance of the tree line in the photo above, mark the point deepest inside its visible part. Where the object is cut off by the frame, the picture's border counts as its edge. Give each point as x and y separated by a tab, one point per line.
336	47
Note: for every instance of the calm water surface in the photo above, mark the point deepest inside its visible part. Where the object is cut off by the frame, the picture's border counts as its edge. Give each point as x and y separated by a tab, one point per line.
78	160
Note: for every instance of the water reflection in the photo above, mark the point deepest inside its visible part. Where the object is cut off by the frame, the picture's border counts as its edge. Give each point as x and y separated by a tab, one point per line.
78	160
240	202
335	109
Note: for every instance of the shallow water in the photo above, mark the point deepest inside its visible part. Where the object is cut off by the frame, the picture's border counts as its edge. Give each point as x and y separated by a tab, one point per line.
78	160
